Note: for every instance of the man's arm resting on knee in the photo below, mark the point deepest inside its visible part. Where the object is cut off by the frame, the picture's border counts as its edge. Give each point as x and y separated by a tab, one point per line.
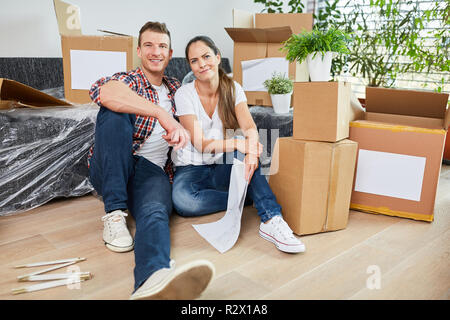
118	97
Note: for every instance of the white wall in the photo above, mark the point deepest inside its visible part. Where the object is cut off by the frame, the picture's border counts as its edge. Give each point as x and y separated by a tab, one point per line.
28	28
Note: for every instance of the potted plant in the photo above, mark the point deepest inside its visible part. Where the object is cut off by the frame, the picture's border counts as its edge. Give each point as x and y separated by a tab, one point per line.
280	90
317	48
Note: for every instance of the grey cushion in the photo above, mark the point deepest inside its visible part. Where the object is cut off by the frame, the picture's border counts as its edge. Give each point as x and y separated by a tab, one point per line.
39	73
270	126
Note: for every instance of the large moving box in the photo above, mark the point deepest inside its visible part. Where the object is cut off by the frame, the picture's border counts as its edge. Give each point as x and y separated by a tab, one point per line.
312	181
257	42
399	159
322	110
88	58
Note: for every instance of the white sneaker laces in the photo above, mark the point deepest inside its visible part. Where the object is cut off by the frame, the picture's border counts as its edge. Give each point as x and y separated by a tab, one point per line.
282	227
116	222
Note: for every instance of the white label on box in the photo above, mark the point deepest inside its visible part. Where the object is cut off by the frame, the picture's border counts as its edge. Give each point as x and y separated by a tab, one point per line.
255	72
87	66
390	174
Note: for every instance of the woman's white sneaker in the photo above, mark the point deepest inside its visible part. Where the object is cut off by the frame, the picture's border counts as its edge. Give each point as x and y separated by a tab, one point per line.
116	236
277	231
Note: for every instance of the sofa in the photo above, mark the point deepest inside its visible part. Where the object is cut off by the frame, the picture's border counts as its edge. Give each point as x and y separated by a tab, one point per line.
43	151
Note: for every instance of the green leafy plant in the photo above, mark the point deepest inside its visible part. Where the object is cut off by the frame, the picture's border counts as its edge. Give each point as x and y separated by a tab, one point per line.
295	6
279	84
299	46
391	40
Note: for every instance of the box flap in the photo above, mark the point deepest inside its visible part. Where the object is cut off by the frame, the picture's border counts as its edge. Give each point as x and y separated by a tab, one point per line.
261	35
406	102
13	94
68	17
242	19
297	21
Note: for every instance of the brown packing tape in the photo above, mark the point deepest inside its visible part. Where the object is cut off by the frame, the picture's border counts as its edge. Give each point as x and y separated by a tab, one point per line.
392	213
330	174
330	187
343	168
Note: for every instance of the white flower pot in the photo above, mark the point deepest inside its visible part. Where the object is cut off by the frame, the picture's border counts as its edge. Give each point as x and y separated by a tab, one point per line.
281	102
319	67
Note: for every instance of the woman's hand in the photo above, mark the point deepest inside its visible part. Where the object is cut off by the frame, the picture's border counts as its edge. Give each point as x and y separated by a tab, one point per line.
251	164
252	150
249	147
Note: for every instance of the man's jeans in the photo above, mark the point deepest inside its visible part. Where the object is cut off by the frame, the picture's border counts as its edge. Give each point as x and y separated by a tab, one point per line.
203	189
132	182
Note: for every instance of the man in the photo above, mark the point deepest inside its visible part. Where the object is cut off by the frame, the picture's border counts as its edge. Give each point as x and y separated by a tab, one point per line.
130	168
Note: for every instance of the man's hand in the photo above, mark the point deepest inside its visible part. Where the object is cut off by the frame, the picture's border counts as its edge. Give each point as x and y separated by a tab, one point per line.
176	135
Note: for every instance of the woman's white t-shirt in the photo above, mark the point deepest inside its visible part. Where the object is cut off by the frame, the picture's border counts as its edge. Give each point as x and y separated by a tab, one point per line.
187	102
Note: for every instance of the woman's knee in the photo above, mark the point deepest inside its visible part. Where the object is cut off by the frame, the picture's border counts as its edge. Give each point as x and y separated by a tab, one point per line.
184	201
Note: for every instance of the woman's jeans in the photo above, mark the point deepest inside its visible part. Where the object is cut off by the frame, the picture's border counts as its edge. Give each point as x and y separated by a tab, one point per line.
203	189
132	182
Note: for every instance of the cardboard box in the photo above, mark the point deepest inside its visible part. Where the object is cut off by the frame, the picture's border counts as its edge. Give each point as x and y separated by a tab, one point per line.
87	58
322	110
312	182
400	142
14	94
263	40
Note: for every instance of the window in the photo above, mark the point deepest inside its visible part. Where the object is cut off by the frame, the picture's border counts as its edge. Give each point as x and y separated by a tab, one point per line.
375	23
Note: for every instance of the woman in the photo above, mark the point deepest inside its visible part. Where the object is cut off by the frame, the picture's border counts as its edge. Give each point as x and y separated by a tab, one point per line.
211	108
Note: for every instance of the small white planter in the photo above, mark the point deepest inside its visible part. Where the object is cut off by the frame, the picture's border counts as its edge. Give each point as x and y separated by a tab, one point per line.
281	102
319	67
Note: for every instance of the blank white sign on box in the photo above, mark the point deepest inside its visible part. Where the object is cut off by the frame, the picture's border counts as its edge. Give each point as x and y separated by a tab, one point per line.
87	66
255	72
390	174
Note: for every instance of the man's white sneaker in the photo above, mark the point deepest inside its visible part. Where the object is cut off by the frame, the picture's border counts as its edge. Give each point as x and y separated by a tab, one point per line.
278	232
116	236
176	283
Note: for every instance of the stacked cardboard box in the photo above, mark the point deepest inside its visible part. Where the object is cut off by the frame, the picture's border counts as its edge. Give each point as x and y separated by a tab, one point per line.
312	172
401	140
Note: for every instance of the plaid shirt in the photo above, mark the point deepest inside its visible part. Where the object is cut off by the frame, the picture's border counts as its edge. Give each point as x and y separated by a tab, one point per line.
143	126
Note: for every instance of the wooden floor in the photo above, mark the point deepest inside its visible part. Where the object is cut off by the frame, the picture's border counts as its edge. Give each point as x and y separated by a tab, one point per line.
412	257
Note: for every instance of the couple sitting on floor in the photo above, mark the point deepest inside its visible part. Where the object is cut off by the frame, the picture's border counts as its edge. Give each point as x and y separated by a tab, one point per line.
145	161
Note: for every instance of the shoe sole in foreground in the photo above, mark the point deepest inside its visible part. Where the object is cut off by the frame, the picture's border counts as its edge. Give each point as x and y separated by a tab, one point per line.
119	249
187	282
281	246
